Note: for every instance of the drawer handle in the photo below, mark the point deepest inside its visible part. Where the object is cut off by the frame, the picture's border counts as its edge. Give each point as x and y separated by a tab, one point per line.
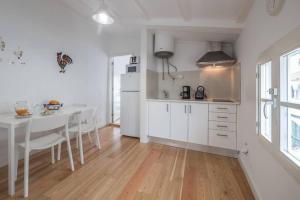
222	135
222	108
220	117
222	126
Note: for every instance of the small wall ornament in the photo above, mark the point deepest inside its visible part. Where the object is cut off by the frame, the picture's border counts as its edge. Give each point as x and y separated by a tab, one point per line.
63	60
19	54
2	44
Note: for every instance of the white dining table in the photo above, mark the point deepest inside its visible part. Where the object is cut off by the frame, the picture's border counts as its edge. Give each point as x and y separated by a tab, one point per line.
10	122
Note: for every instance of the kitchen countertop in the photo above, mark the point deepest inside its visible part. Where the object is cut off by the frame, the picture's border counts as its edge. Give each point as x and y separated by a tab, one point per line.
206	101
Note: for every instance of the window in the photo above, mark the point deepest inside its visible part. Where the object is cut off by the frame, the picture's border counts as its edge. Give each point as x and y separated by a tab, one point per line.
265	100
290	105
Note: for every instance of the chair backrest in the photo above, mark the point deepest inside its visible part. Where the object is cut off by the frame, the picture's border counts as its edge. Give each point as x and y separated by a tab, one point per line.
48	123
87	115
43	124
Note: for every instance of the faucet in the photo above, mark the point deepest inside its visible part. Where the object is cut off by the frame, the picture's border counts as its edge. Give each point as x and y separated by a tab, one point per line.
166	94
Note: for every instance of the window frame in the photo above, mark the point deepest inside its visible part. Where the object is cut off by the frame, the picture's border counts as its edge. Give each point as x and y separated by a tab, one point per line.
285	45
284	105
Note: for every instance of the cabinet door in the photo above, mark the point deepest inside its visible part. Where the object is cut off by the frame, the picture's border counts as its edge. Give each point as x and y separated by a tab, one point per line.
179	121
198	123
159	119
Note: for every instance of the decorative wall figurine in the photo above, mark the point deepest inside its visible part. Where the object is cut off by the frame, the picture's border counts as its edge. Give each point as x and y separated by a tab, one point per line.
63	60
19	54
2	44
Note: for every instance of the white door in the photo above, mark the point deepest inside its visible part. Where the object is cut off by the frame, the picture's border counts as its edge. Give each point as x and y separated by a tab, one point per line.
130	114
159	119
179	121
198	123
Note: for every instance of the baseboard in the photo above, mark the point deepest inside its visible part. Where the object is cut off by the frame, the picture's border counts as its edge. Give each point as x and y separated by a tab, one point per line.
196	147
249	178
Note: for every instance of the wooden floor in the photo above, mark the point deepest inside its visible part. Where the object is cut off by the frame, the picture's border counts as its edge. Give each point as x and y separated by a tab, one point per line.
126	169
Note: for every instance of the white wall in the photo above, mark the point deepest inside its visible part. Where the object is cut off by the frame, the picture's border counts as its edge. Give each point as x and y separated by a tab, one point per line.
186	55
41	29
118	46
269	178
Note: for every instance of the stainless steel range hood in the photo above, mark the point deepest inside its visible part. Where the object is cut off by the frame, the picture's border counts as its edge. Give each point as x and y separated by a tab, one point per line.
215	56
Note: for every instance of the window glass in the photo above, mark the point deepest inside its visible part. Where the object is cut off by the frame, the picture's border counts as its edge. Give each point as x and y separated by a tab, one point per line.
290	133
266	120
266	80
265	100
293	71
290	115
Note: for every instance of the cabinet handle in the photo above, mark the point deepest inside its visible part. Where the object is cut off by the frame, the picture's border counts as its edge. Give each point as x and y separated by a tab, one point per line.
222	135
167	107
219	108
190	109
220	117
184	108
222	126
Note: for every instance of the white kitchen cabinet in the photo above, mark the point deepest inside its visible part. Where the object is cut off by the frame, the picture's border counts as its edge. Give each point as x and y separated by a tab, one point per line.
194	122
179	121
222	126
198	123
159	119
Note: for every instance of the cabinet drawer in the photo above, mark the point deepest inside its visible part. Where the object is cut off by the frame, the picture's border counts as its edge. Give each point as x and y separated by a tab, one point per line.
223	126
222	117
221	108
223	139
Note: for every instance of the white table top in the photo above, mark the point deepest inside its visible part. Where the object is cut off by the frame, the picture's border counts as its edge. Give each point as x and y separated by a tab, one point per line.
9	119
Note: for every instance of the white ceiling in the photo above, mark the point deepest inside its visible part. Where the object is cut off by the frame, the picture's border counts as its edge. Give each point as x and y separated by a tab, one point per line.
186	19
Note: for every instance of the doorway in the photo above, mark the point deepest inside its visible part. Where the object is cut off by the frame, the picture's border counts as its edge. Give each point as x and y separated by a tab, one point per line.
118	68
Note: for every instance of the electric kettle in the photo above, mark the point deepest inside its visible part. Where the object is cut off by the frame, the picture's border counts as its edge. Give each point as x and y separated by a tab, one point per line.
200	93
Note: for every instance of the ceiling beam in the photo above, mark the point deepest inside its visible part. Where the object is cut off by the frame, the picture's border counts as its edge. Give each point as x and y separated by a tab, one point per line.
244	11
141	9
183	6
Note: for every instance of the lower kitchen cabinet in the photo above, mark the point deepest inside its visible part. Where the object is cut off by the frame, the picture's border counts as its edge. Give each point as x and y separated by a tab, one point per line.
198	123
159	119
179	121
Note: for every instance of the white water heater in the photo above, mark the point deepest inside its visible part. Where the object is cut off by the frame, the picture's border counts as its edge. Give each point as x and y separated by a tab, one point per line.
163	44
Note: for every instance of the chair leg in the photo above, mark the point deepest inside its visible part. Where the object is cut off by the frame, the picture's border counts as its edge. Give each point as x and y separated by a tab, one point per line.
59	151
26	172
77	140
97	138
16	164
52	155
59	148
80	148
90	138
70	152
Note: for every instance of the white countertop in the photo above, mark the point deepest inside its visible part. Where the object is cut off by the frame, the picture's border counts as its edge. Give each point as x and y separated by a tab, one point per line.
205	101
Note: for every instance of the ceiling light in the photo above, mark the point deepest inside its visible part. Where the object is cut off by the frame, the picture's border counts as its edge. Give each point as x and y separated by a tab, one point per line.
102	16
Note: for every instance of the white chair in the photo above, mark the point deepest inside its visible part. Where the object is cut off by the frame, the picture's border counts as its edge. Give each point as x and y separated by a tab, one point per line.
44	124
86	123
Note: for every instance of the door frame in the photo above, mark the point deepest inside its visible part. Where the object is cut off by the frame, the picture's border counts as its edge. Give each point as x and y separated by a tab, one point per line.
111	86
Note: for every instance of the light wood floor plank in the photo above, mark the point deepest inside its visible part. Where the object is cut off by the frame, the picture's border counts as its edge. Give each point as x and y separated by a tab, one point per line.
125	169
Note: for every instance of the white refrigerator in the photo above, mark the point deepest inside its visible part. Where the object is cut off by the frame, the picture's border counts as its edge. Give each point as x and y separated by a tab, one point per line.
130	104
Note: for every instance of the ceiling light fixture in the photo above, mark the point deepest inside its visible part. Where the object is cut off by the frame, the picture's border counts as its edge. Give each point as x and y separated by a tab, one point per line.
102	16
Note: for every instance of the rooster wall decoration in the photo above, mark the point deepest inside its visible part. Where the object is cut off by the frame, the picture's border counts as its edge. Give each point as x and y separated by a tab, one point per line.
63	60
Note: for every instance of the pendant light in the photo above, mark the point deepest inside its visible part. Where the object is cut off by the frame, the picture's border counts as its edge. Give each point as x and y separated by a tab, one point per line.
102	16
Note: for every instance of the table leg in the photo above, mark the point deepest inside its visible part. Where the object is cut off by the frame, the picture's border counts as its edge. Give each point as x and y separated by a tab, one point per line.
11	161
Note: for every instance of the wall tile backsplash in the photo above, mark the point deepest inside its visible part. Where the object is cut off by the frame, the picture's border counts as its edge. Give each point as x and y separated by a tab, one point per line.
218	83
